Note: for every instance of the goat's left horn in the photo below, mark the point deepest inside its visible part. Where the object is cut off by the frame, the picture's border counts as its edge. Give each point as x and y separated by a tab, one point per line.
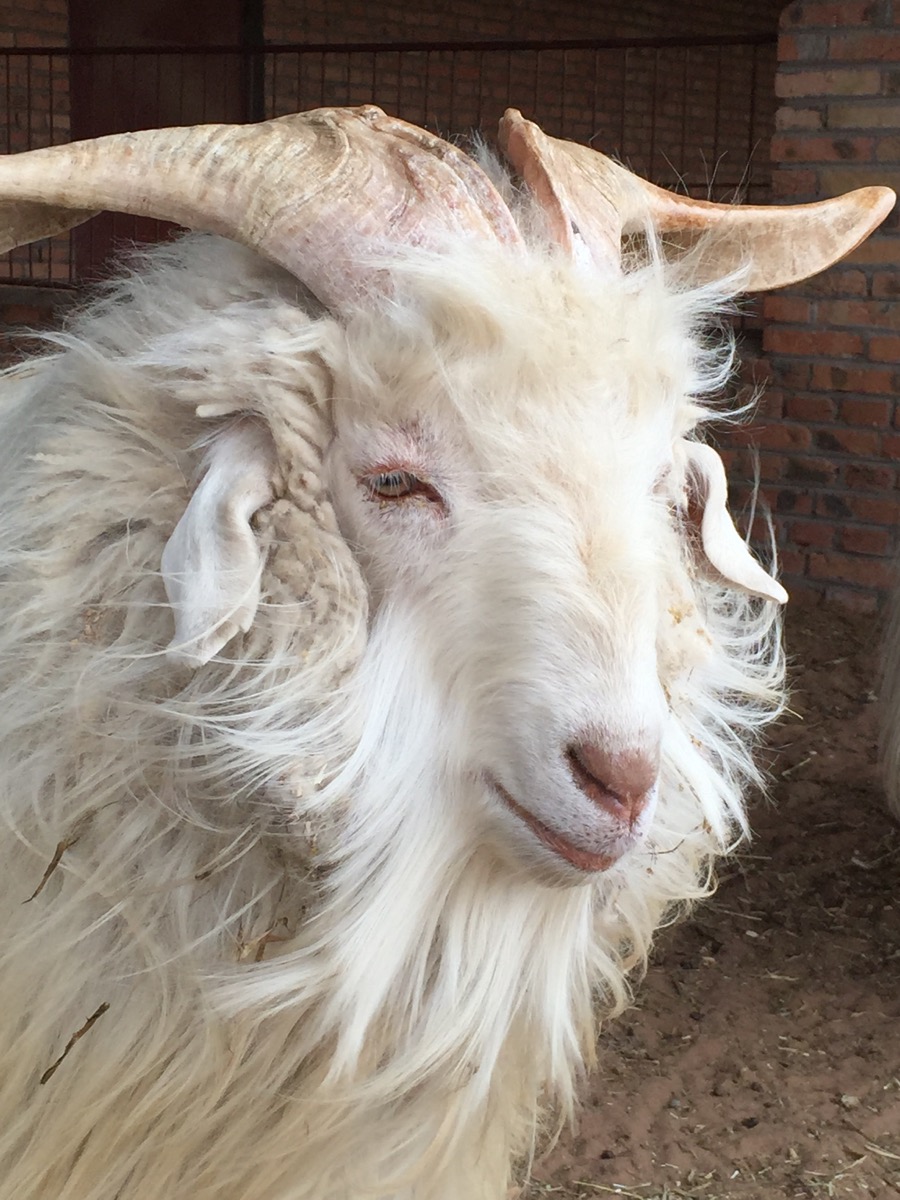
314	192
591	200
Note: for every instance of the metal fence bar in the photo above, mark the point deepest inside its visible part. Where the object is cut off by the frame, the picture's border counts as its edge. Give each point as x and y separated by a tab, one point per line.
499	44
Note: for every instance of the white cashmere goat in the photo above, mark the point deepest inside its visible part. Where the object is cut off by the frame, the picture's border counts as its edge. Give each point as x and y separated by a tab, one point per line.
320	897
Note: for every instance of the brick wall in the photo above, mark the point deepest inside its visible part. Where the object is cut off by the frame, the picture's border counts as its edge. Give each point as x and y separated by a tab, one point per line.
829	432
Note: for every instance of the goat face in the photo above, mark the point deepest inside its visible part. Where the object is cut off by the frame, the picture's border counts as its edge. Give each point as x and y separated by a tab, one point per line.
508	487
535	603
511	479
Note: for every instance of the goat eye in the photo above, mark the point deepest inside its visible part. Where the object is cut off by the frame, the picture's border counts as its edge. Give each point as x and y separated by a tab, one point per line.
393	485
401	485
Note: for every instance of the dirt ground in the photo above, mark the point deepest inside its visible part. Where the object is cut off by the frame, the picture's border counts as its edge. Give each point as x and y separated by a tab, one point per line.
762	1059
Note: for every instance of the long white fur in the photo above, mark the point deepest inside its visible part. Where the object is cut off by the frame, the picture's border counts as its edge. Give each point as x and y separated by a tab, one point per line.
331	969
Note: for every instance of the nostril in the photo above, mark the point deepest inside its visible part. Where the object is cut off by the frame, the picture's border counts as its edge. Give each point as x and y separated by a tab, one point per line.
620	782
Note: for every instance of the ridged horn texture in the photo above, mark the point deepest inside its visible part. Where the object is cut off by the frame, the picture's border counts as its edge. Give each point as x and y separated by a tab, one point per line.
591	202
320	192
314	192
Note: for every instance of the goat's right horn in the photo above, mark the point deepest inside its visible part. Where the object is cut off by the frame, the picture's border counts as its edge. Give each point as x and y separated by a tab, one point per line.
314	192
590	202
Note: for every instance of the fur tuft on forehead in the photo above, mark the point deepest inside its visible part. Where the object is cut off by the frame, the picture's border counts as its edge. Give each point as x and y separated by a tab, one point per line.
486	325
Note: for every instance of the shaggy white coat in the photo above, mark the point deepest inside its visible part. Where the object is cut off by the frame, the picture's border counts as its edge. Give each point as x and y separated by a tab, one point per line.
321	962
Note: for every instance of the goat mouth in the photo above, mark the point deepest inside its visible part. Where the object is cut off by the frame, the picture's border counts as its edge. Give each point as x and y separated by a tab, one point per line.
583	860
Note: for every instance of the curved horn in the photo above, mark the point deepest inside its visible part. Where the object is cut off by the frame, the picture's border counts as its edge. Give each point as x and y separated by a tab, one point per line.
582	202
312	191
586	195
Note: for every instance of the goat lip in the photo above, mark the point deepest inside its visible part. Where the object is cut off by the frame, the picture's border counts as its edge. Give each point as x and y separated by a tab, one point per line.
583	860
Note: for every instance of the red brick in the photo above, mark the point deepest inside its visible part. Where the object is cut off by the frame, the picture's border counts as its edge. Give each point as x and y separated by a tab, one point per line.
876	510
818	343
789	501
865	46
790	309
854	601
882	250
833	504
811	408
848	568
819	534
835	178
886	283
740	436
799	118
868	478
885	348
868	380
891	445
863	443
793	183
839	281
800	589
791	562
859	539
810	46
836	81
783	437
867	412
772	466
792	373
769	404
809	470
813	148
866	115
879	313
835	13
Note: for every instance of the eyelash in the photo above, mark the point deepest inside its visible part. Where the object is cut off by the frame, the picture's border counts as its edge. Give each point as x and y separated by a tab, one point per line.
396	486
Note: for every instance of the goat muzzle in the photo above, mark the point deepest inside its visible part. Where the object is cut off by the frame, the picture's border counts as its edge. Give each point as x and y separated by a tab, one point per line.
621	783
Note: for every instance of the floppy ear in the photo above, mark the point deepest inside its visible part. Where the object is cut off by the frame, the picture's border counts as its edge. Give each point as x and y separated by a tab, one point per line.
723	546
212	564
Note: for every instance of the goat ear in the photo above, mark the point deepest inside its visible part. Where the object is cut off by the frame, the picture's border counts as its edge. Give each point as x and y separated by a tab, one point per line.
723	546
212	565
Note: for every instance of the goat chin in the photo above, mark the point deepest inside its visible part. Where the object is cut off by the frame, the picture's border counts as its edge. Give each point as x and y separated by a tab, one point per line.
260	942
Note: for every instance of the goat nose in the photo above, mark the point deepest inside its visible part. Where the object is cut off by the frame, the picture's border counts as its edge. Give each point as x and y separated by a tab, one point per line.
619	781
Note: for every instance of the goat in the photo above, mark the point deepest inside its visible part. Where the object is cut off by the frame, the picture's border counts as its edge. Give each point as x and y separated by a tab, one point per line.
382	666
